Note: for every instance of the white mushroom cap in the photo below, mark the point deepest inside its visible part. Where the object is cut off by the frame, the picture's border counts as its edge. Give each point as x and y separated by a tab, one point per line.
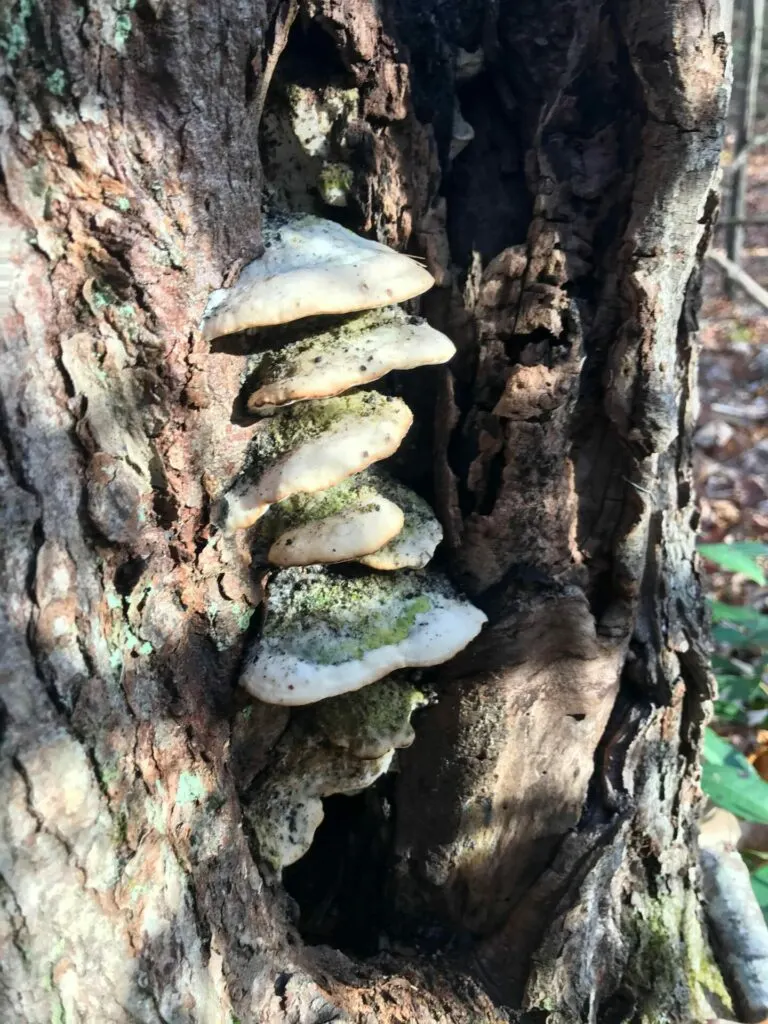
287	811
358	351
340	537
414	546
312	267
327	634
329	526
310	447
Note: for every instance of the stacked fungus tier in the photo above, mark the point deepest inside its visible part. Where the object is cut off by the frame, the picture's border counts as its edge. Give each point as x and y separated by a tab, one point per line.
315	496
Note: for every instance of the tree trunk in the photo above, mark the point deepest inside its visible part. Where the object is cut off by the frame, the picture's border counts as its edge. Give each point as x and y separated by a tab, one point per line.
534	858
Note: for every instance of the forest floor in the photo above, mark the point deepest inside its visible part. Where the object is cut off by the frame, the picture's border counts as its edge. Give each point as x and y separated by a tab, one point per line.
731	453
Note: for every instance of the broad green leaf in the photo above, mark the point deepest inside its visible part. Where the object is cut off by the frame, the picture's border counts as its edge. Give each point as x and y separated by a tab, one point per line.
730	711
751	625
760	888
728	636
739	557
729	667
737	688
730	781
740	613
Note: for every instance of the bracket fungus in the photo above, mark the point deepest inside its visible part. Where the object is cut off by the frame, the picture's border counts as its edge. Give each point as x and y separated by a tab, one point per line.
288	809
313	446
345	535
369	517
371	721
414	545
356	352
353	518
327	634
313	267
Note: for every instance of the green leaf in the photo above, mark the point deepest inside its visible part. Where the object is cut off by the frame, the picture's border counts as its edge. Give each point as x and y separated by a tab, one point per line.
730	781
739	557
728	636
740	613
727	666
759	880
751	625
737	688
730	711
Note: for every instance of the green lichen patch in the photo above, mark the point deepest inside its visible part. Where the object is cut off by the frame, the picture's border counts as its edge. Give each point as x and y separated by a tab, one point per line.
329	619
334	183
56	82
671	967
190	789
315	112
310	508
328	633
14	29
373	720
293	427
356	492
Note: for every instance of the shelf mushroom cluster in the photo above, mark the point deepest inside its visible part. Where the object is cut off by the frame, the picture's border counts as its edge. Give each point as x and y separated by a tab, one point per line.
315	495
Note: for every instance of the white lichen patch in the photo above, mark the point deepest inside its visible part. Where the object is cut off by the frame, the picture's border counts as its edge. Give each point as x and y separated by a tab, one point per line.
288	809
362	349
313	267
310	447
327	634
371	721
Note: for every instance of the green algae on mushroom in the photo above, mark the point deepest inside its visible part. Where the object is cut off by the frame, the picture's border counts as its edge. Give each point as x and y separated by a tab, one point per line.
345	535
371	721
326	634
310	447
358	351
313	267
298	519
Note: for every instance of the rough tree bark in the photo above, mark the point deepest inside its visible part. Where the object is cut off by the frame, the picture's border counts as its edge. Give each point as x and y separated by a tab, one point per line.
535	856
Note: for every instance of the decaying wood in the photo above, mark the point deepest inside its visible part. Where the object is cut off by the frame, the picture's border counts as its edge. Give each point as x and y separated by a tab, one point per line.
544	820
738	925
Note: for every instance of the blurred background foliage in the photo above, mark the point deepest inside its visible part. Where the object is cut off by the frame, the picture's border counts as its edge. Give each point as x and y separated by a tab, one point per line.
731	454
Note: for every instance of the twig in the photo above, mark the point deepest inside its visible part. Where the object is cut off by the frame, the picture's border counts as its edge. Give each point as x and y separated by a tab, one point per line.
746	221
738	191
738	925
742	155
740	277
